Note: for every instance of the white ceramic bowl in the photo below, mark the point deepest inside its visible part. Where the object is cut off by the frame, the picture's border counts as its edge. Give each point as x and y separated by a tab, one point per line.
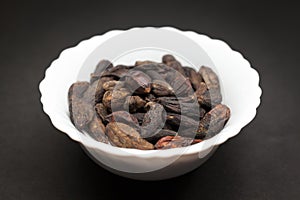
239	83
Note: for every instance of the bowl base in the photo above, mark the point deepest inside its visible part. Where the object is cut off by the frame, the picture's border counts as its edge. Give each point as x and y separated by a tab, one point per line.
180	167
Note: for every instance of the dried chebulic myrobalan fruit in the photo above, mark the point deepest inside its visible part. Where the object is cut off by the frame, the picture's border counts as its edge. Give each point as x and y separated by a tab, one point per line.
134	103
161	88
148	105
208	98
122	135
117	72
123	117
101	110
138	82
176	66
81	113
194	77
102	66
97	130
77	90
183	105
162	133
168	142
168	58
153	120
214	121
100	90
137	63
210	77
115	99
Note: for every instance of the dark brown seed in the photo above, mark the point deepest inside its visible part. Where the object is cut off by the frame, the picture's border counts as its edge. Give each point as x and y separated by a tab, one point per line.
101	111
168	58
161	88
138	82
208	98
122	135
175	142
154	119
213	121
97	130
210	78
123	117
194	77
102	66
137	63
134	103
162	133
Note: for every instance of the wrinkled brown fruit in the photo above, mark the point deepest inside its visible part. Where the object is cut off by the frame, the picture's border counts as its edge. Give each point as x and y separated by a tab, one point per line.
123	117
161	88
154	120
100	90
210	78
148	105
213	121
109	85
162	133
176	66
137	63
81	113
138	82
115	99
194	77
134	103
168	142
102	66
97	130
117	72
77	90
101	111
208	98
168	58
122	135
185	105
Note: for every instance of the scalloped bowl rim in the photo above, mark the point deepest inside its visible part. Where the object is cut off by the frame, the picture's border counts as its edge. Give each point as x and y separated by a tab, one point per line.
223	136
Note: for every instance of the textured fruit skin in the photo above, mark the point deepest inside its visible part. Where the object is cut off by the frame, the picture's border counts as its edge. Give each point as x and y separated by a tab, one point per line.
148	105
122	135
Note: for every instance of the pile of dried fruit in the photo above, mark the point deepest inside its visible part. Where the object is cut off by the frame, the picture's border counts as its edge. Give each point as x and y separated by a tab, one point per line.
148	105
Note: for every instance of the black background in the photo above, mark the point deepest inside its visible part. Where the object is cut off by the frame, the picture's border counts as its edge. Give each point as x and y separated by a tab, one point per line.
39	162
